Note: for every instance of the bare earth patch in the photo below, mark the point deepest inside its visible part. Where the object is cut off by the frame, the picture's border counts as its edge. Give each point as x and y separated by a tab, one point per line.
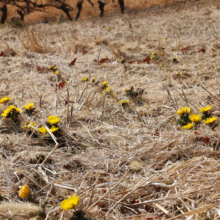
127	161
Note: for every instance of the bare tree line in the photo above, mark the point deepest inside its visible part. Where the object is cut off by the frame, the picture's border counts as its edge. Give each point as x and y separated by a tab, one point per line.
26	6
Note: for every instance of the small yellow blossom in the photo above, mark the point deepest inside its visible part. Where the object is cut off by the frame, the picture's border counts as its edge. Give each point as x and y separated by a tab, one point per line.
55	68
108	89
179	74
24	192
57	72
27	127
154	53
93	80
195	118
124	101
125	90
54	129
132	32
70	203
108	29
210	120
53	119
42	130
164	39
105	83
84	79
29	106
50	67
33	124
205	109
183	110
188	126
5	99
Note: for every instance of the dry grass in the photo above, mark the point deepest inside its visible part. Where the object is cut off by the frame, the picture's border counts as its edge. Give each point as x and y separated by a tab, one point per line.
124	163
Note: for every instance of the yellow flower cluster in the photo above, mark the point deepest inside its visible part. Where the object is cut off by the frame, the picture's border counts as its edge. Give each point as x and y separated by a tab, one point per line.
29	106
53	119
5	99
183	110
70	203
11	108
24	192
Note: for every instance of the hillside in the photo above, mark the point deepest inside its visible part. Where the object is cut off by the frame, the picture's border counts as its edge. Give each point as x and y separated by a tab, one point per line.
124	161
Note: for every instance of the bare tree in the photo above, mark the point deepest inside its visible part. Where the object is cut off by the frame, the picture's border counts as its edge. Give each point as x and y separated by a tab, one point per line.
25	6
36	5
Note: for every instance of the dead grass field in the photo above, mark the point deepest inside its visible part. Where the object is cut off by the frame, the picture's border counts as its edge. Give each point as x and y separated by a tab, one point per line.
123	162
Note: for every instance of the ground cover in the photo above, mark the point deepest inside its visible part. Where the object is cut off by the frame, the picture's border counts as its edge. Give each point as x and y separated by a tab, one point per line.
124	159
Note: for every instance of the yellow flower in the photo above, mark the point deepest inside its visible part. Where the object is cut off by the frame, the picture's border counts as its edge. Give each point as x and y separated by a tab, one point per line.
132	32
29	106
195	118
50	67
108	29
154	53
179	74
188	126
70	203
57	72
53	119
210	120
54	129
33	124
9	109
105	83
124	101
183	110
55	68
205	109
42	130
93	80
27	127
6	112
108	89
84	79
24	192
125	90
5	99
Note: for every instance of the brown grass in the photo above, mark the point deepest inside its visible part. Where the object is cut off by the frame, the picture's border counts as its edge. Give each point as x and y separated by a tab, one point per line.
123	163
